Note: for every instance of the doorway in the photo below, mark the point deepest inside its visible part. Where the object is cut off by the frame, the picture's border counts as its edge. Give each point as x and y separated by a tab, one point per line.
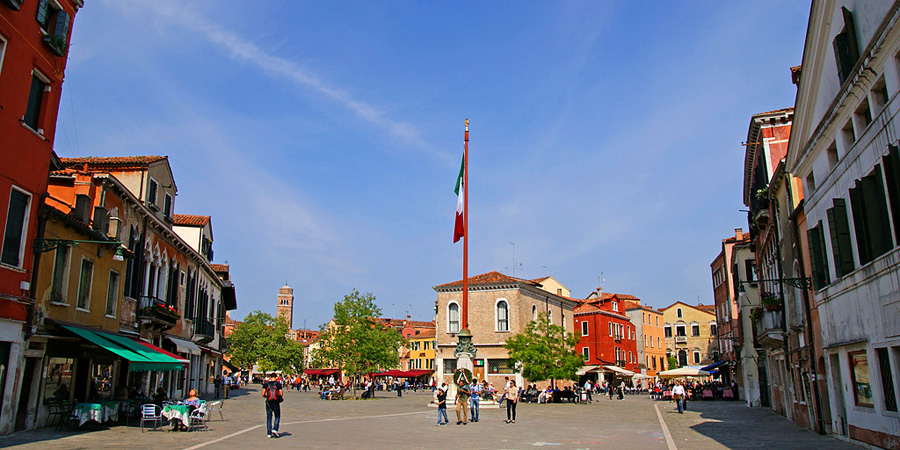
840	420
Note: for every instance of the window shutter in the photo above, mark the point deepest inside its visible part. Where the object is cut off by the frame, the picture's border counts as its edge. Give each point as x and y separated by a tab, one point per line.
841	246
42	10
859	225
892	178
33	109
846	49
61	27
877	220
816	242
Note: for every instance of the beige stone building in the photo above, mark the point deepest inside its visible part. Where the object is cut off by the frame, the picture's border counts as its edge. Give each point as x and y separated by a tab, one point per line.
690	333
499	306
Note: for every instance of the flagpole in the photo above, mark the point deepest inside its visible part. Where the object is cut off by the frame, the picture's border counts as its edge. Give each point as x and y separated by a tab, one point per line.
465	299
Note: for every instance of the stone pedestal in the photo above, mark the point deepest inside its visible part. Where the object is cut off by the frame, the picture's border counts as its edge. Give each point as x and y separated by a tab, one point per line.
465	353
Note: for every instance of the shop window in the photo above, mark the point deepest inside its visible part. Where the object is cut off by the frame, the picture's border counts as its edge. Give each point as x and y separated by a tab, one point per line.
499	366
859	375
58	380
887	380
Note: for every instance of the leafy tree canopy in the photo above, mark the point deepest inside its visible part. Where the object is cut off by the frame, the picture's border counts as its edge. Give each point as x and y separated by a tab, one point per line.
545	351
262	340
357	343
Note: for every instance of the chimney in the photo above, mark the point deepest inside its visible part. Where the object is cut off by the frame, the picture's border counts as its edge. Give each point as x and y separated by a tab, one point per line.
101	220
739	234
82	209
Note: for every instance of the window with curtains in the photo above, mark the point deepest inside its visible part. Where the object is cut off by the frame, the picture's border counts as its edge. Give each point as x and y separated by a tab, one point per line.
453	318
502	316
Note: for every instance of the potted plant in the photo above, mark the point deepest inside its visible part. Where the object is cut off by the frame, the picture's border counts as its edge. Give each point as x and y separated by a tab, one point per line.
756	313
772	302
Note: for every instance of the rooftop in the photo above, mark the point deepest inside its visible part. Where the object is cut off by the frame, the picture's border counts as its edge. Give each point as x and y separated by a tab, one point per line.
190	220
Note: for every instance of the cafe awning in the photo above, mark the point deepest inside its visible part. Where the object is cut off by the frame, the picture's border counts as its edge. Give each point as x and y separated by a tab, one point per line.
141	358
184	346
619	370
321	372
586	370
713	368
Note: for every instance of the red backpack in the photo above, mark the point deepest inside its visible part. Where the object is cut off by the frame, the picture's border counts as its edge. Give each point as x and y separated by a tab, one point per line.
272	393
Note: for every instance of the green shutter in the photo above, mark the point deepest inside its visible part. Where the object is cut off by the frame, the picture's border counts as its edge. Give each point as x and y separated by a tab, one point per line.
877	222
42	10
892	178
815	252
841	245
859	225
61	27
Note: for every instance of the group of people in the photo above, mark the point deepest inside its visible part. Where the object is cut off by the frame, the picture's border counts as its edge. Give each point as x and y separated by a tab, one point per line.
468	399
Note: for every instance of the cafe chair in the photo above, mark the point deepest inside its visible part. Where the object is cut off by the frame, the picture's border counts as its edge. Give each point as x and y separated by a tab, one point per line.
216	407
151	413
198	420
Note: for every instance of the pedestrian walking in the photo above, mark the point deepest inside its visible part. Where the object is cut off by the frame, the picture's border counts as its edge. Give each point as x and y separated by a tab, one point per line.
218	384
441	400
512	399
475	402
226	381
588	388
462	403
678	396
274	395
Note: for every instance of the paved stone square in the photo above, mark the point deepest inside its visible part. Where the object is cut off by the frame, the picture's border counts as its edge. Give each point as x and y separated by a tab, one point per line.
408	423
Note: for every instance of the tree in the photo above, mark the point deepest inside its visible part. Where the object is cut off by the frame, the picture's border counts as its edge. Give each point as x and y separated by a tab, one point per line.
262	340
357	343
545	351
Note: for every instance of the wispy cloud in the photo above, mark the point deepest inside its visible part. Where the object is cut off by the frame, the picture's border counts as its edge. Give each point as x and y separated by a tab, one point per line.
246	51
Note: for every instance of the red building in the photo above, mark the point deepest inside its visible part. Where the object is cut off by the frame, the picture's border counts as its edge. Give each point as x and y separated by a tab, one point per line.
34	39
608	338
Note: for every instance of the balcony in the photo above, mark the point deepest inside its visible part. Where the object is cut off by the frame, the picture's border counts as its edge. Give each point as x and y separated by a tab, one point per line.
681	340
155	313
770	329
204	330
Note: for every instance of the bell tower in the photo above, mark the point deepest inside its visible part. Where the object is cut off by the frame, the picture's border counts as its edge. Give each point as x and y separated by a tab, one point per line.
286	304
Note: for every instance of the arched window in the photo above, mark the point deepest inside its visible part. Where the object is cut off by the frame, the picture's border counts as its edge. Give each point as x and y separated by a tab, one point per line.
679	313
549	315
453	318
682	358
533	312
502	316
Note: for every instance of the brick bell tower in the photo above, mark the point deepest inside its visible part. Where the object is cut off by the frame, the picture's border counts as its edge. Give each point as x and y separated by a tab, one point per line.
286	304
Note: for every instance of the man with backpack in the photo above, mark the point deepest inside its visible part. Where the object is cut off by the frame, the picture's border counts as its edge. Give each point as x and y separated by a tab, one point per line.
274	396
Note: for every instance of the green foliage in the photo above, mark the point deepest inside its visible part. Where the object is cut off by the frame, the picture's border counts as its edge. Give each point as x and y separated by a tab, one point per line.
545	351
357	343
673	362
262	340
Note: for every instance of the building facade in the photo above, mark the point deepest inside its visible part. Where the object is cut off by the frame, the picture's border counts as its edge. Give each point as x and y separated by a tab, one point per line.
499	306
727	311
844	147
651	343
34	38
608	339
690	333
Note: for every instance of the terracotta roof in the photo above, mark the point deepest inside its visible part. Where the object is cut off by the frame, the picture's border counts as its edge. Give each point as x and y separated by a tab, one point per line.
398	323
586	307
488	278
429	333
219	267
190	220
707	308
111	160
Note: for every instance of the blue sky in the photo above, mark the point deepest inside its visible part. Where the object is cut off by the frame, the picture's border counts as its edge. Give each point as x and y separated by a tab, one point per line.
324	137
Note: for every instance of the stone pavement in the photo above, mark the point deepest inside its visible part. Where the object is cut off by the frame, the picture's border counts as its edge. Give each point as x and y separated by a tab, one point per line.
407	422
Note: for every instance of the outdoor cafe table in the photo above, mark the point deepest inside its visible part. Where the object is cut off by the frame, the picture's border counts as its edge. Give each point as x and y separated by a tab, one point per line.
98	412
181	412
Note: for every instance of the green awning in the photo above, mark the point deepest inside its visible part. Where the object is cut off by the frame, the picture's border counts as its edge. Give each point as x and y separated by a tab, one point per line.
141	358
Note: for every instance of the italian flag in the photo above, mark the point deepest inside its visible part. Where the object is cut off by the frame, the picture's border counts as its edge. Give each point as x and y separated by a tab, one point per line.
459	230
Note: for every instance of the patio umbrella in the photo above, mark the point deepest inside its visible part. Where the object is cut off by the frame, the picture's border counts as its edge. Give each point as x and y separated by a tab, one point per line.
683	372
